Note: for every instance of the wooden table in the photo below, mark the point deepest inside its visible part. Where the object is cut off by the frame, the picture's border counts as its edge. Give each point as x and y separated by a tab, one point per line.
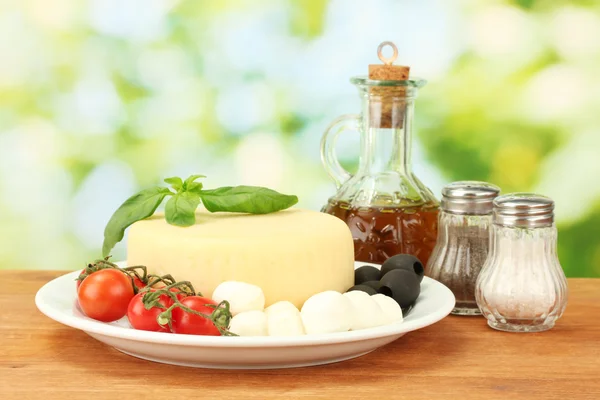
457	357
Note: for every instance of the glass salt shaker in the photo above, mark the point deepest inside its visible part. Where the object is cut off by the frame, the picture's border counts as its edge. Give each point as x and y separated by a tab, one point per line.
463	240
522	287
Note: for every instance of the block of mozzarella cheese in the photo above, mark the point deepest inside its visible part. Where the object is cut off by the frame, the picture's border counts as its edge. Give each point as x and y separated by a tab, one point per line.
291	254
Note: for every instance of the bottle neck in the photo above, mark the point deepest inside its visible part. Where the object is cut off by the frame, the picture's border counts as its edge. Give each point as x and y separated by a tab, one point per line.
386	136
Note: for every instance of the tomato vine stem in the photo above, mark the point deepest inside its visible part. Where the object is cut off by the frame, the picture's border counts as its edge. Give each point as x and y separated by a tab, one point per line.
220	317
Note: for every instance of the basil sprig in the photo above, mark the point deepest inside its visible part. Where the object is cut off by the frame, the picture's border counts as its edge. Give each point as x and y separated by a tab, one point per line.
139	206
242	199
185	196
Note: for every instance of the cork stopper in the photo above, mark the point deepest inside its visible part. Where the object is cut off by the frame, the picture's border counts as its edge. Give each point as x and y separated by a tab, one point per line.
387	71
388	112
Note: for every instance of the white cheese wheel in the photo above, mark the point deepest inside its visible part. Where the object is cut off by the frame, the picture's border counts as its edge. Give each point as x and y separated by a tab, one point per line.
327	312
290	255
283	319
249	323
366	312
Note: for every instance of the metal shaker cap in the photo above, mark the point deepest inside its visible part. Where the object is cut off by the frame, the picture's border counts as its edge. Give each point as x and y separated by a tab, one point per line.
524	210
469	197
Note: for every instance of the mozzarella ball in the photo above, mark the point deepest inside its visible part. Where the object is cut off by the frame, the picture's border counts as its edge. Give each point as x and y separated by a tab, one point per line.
390	307
283	319
249	323
327	312
240	295
366	312
281	305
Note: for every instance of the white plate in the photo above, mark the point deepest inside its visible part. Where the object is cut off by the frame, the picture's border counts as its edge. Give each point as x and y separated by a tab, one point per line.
57	299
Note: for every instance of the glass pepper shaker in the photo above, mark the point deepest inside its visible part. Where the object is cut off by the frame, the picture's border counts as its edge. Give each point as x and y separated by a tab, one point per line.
463	240
522	287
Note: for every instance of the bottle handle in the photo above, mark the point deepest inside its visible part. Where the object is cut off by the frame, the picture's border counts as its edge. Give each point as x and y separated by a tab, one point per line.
328	141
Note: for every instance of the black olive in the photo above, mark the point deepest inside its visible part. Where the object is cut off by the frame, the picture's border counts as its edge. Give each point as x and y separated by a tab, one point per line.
365	273
406	310
374	284
401	285
363	288
403	261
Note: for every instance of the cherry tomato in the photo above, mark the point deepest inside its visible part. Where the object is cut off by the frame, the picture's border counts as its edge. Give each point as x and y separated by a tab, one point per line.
143	319
105	295
80	280
138	282
84	274
192	324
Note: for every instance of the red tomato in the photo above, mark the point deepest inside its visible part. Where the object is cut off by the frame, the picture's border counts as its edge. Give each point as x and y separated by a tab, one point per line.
105	295
80	280
138	282
143	319
192	324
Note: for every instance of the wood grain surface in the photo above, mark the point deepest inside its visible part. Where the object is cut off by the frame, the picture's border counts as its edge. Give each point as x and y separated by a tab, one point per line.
459	357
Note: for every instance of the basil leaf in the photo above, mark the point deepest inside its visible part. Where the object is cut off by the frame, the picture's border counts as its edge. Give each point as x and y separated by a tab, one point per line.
195	187
175	182
137	207
246	199
181	209
190	181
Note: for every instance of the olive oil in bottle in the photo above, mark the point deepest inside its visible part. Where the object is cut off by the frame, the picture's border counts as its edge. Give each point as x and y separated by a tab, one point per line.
387	208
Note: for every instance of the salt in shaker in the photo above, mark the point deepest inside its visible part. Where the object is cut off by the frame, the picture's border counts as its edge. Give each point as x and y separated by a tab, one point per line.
463	240
522	287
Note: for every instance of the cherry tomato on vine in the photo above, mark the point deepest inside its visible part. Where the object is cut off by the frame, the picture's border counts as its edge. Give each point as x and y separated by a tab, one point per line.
143	319
192	324
138	282
105	295
79	280
84	274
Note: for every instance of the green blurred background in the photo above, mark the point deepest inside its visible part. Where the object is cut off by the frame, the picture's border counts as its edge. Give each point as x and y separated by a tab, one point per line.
100	98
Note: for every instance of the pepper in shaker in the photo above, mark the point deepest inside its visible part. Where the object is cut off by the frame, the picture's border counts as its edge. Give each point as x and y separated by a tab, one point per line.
522	287
463	240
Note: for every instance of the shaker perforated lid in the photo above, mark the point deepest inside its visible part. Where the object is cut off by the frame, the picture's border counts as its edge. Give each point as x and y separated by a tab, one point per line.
469	197
525	210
